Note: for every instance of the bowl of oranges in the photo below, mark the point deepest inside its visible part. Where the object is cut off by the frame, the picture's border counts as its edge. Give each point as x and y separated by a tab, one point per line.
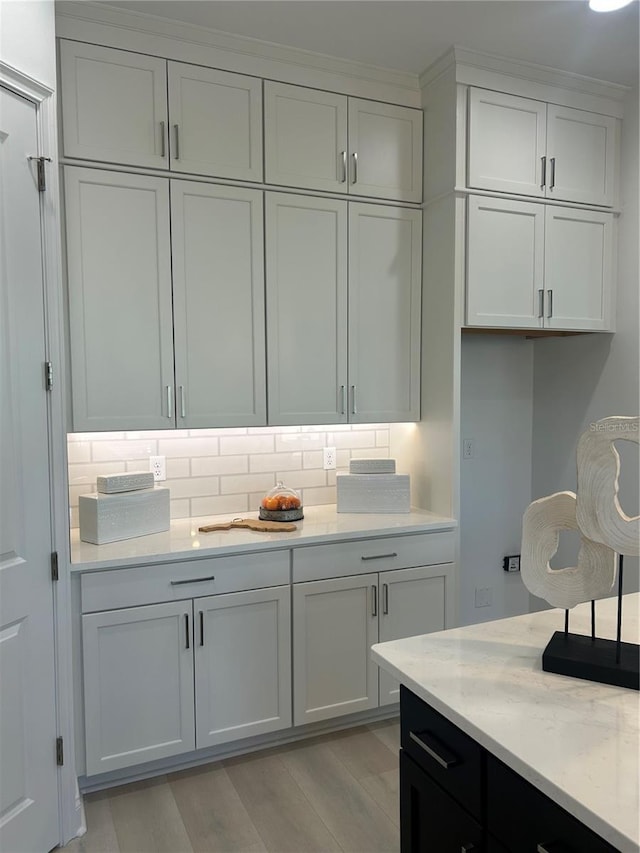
281	504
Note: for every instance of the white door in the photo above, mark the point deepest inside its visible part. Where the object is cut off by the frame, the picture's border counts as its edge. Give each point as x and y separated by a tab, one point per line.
28	773
505	263
218	304
114	105
385	150
119	279
242	664
215	122
306	263
581	150
578	269
138	685
305	137
385	257
506	143
335	623
412	602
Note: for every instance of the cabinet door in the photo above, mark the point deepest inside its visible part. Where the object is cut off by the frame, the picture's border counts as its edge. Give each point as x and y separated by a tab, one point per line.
242	664
581	150
578	269
505	263
412	602
305	137
218	300
114	105
335	623
306	262
506	143
138	685
216	122
119	279
385	145
384	313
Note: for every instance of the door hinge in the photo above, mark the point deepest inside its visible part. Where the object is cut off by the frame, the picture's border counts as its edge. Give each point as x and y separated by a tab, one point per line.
59	752
48	375
54	566
42	175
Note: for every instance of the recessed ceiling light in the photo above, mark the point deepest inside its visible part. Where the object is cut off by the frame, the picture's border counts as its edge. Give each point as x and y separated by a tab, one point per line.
608	5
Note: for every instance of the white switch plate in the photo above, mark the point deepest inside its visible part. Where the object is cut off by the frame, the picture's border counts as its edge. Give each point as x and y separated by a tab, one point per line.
483	596
158	465
329	458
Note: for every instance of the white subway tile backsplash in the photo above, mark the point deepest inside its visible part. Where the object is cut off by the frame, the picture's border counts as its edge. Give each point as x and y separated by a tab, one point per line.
275	462
87	473
233	445
218	505
303	479
193	487
245	483
177	468
107	451
78	451
352	439
317	497
188	447
382	438
312	459
203	466
180	508
300	441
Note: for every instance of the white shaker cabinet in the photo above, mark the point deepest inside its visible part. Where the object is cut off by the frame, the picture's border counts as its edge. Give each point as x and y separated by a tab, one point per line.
119	286
114	105
215	120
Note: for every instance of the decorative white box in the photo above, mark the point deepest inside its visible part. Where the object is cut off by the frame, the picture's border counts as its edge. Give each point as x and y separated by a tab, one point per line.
373	493
109	518
372	466
129	482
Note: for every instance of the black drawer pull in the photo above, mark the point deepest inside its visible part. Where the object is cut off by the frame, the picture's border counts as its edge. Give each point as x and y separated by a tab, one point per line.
432	746
192	580
380	556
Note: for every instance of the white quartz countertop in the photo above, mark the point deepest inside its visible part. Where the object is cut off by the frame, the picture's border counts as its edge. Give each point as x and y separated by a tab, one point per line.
575	740
321	524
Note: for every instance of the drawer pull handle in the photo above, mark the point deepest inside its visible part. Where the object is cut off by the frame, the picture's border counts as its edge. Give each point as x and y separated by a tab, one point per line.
385	599
193	580
374	600
163	152
432	746
186	629
201	615
379	556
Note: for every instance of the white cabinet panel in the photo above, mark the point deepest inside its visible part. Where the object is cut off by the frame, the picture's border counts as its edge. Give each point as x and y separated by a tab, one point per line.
114	105
119	279
216	122
306	268
138	685
242	665
505	263
218	293
384	313
578	265
305	137
385	144
334	626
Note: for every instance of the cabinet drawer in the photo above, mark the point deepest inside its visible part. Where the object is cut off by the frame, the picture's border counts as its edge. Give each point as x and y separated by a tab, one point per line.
448	755
535	823
319	562
108	590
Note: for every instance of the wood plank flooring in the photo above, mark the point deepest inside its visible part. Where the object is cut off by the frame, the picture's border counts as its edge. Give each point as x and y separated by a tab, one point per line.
327	794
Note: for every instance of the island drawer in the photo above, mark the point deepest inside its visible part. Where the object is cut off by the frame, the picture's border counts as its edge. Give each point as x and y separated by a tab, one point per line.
361	556
448	755
535	823
138	585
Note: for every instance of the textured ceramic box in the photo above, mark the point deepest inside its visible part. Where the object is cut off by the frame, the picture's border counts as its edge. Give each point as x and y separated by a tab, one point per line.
109	518
373	493
129	482
372	466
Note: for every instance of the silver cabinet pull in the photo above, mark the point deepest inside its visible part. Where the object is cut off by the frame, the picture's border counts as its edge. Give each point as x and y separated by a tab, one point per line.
183	405
549	303
541	303
353	400
163	150
552	182
169	401
385	599
176	130
193	580
186	630
201	615
354	157
432	746
380	556
343	155
544	172
342	400
374	600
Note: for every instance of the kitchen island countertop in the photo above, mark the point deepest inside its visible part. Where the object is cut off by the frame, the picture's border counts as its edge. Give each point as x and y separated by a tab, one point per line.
577	741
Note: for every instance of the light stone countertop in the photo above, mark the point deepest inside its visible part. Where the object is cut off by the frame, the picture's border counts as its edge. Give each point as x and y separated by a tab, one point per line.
321	525
575	740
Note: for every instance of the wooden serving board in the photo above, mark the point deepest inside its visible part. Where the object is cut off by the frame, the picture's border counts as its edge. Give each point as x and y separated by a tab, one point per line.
251	524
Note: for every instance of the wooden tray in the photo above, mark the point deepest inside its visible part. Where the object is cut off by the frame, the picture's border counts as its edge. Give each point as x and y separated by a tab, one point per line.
250	524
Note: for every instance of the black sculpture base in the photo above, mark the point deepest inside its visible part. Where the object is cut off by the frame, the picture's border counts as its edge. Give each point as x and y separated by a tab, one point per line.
593	659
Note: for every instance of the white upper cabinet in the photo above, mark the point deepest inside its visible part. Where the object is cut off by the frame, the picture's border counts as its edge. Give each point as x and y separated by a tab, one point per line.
215	120
323	141
218	301
527	147
114	105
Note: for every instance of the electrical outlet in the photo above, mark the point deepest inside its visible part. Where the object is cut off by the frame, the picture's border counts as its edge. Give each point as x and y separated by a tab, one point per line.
512	563
467	448
158	465
329	458
483	596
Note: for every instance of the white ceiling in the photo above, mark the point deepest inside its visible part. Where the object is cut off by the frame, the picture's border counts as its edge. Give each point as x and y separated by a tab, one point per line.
409	35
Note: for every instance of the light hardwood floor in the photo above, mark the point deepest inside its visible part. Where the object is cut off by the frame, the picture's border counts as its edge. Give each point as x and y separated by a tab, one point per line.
336	792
